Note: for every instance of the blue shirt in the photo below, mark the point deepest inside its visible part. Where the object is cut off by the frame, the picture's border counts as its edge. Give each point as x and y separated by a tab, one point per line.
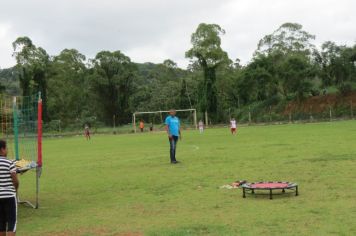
173	125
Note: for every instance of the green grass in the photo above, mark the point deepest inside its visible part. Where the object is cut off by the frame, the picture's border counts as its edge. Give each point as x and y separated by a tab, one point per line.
124	184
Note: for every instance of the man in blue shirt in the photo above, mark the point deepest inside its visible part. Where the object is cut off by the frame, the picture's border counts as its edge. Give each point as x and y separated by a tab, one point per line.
173	130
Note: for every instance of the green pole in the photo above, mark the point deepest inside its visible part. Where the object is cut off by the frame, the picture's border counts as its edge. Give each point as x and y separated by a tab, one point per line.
16	130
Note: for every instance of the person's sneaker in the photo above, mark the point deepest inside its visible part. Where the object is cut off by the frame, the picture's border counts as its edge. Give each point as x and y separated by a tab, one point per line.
174	162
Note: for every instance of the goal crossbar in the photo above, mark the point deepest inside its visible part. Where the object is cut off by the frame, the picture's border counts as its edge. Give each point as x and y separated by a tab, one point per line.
155	112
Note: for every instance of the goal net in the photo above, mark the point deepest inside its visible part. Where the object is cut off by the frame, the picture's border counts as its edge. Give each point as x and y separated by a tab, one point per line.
154	120
21	128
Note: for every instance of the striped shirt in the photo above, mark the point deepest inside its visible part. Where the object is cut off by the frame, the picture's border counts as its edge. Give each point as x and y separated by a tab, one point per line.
7	188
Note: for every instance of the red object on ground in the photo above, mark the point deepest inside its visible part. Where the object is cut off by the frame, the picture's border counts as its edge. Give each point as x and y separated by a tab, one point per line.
269	185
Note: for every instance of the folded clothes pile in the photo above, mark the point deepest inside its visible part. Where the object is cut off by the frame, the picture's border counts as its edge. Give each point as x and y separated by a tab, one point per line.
24	165
235	184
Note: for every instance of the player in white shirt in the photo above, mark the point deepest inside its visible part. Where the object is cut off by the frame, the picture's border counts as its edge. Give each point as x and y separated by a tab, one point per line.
201	126
233	126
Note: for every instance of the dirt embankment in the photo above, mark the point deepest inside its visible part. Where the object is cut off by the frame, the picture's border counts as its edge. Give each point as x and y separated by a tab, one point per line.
321	103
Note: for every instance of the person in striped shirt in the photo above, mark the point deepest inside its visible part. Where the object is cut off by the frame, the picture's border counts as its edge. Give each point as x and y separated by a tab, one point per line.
8	188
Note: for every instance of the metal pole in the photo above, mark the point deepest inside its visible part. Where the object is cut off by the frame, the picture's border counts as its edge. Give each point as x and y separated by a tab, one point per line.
195	119
330	113
150	112
134	122
38	175
16	130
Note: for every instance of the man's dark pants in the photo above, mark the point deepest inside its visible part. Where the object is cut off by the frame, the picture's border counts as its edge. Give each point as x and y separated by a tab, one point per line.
8	214
173	147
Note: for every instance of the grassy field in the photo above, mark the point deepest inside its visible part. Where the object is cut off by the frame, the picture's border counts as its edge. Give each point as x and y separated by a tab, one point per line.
124	184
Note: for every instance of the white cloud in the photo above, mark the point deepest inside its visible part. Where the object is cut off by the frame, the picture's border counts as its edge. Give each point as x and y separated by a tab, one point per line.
6	45
154	30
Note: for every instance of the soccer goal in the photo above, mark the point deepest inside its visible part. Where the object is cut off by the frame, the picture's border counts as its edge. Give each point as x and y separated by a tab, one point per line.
21	127
155	119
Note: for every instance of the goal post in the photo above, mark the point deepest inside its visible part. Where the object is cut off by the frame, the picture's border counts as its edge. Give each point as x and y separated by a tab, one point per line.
135	114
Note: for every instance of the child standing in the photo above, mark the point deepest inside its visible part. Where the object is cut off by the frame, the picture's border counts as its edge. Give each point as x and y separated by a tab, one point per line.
233	126
201	126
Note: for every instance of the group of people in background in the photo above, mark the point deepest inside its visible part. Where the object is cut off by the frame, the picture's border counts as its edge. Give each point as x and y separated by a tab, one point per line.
173	129
201	126
233	126
174	133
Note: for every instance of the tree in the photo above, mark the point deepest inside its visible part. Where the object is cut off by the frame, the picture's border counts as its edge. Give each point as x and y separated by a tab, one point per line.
281	55
113	74
184	97
289	37
10	80
32	64
337	64
170	64
208	55
262	70
2	88
68	84
158	86
23	51
296	74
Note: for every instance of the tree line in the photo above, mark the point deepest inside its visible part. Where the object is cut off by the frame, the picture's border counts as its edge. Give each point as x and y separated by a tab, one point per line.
285	66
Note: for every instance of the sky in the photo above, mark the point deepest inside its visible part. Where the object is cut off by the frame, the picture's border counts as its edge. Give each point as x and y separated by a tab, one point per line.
155	30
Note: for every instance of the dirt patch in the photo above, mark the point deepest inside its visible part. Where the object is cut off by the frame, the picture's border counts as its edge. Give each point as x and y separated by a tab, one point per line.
92	231
129	234
322	103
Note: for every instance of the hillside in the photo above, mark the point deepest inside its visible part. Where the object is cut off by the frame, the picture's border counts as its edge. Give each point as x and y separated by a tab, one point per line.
322	103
